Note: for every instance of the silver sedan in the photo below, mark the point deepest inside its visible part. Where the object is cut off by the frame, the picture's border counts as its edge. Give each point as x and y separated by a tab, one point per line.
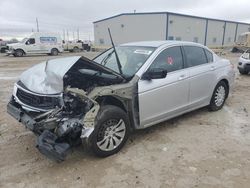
99	102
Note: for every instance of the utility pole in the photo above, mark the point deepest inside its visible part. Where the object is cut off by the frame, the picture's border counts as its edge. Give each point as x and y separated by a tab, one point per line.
67	35
77	33
37	25
73	35
64	34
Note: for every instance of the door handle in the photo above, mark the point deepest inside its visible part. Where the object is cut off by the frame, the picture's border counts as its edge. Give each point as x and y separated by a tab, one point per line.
212	68
182	77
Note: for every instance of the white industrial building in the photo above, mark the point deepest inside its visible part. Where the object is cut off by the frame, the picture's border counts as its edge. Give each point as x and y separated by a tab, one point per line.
130	27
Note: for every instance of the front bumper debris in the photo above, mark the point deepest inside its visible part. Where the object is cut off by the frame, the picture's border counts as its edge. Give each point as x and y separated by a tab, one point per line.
15	111
48	145
47	142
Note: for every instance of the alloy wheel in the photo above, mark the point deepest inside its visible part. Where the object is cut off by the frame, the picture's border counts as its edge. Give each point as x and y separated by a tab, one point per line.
220	96
111	134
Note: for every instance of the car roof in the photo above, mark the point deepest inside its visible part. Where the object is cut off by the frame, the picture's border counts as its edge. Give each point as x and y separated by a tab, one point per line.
160	43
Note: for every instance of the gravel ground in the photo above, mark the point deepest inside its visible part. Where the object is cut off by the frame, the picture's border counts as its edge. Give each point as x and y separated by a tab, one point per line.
198	149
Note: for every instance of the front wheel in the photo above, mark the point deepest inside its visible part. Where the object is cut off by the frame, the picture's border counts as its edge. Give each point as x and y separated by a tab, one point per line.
18	53
111	131
76	49
219	96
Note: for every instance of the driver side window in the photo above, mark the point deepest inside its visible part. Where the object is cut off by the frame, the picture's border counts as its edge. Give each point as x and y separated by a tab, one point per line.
30	41
169	59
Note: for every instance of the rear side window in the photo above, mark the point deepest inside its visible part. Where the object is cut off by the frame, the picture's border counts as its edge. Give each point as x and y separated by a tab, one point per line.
209	56
48	39
169	59
195	56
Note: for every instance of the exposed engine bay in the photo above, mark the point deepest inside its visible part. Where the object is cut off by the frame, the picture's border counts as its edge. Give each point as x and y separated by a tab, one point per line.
86	76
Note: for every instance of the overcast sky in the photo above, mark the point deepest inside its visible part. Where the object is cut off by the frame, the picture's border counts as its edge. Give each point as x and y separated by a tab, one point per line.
18	17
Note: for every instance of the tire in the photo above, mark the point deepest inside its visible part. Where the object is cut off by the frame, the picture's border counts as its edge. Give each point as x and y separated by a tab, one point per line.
107	140
76	49
18	53
54	52
219	96
242	71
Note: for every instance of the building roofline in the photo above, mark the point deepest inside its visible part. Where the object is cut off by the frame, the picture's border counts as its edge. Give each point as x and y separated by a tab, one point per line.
170	13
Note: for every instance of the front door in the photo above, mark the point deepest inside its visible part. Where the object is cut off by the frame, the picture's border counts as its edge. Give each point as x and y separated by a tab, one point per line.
32	46
160	99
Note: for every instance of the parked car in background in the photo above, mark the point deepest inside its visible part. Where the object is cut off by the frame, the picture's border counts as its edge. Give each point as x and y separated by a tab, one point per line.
242	43
87	45
98	102
37	43
3	46
73	46
244	62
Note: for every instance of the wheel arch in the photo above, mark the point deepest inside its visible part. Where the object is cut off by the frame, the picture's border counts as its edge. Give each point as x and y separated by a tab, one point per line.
55	49
111	100
21	50
123	104
227	84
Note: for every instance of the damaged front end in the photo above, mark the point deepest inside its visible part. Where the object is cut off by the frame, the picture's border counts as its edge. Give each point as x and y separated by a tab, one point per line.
59	100
61	128
62	100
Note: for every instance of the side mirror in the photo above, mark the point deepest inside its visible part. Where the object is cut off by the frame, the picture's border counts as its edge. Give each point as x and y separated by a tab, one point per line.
155	73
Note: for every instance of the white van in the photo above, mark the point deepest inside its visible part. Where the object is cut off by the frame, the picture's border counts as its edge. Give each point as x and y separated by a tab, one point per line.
37	43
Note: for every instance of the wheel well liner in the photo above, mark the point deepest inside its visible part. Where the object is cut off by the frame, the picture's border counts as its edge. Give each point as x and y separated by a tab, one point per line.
105	100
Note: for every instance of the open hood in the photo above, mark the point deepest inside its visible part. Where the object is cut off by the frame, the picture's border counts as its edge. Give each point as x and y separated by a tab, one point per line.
48	77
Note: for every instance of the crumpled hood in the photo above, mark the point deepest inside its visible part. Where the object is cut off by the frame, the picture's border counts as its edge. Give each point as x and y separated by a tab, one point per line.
47	77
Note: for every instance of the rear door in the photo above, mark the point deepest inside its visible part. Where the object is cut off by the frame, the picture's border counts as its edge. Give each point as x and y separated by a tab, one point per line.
160	99
47	43
202	74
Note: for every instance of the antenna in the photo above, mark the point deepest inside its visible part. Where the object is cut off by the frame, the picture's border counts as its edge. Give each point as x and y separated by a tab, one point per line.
116	55
37	25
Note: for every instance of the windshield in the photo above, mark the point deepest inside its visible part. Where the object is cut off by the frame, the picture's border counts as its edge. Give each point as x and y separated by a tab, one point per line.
131	58
24	40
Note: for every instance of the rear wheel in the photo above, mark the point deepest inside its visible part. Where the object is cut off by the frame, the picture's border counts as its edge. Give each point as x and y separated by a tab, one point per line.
76	49
54	51
111	131
219	96
18	53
